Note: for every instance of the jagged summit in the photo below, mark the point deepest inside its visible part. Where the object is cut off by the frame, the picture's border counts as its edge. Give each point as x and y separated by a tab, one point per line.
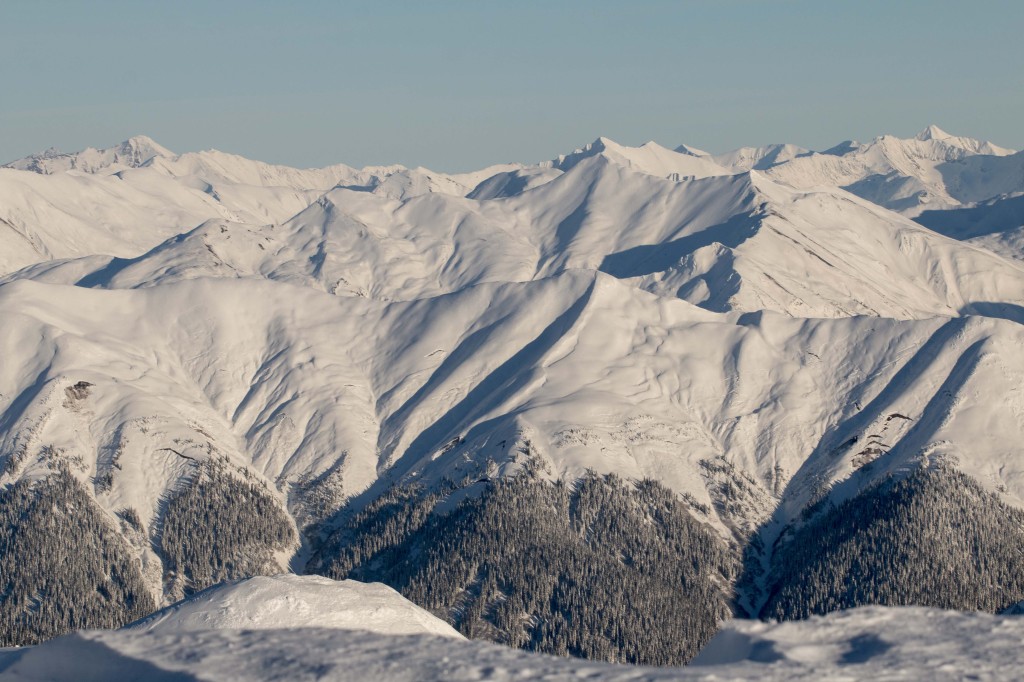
145	146
564	162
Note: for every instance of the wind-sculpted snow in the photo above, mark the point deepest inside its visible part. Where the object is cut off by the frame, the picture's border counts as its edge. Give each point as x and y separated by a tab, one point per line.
866	643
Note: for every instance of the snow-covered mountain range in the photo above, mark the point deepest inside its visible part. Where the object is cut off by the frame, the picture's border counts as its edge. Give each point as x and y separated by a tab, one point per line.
758	331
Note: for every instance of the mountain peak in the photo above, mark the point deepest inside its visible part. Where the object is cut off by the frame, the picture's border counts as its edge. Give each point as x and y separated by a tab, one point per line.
933	132
145	142
602	144
138	149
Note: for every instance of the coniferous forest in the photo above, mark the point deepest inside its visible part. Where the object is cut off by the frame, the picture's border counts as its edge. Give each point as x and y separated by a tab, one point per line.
62	565
935	538
221	526
598	567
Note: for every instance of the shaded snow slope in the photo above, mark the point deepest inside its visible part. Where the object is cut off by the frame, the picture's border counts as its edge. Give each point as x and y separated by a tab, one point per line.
865	643
291	601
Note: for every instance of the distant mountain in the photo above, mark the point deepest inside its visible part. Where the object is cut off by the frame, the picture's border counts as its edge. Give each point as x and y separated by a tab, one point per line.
651	158
126	199
132	153
933	170
760	158
725	242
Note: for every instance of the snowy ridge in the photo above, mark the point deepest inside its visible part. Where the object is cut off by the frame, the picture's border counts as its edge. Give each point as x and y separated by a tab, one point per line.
132	153
650	158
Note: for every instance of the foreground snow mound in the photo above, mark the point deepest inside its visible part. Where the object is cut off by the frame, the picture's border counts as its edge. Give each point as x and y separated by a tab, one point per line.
293	601
876	642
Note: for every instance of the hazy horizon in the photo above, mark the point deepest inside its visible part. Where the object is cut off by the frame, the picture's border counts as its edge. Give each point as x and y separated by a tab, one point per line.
457	86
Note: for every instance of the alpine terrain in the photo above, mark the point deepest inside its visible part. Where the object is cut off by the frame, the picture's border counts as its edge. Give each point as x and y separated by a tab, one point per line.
595	406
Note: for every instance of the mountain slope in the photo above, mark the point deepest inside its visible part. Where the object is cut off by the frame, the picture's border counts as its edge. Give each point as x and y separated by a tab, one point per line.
296	383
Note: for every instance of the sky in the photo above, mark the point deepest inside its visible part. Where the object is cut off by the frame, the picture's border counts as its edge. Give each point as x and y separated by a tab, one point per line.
460	85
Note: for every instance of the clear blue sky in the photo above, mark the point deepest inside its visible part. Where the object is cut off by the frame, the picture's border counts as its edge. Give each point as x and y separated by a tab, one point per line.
458	85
